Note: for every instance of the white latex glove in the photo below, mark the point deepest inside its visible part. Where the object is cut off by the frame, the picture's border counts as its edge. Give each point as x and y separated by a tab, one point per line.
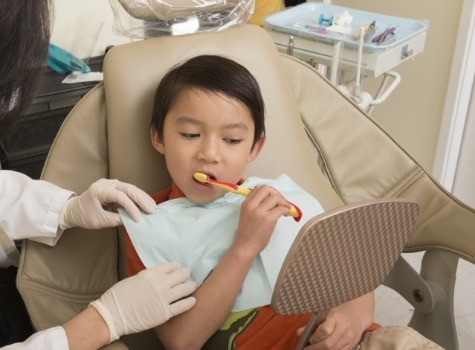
89	210
146	300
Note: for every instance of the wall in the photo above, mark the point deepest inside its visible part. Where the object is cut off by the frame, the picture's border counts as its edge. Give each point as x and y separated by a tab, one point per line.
76	22
413	113
464	185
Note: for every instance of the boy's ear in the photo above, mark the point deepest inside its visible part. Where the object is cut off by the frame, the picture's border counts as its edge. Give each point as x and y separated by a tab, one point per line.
156	141
257	149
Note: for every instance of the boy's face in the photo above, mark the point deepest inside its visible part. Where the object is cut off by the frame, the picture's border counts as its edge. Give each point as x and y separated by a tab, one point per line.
208	133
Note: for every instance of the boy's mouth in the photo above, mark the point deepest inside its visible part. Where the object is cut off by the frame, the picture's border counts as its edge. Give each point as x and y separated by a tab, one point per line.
208	176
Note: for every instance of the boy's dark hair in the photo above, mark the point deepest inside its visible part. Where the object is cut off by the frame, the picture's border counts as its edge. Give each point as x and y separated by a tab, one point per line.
24	38
210	73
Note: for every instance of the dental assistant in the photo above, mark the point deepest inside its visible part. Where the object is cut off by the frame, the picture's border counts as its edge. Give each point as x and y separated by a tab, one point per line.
41	211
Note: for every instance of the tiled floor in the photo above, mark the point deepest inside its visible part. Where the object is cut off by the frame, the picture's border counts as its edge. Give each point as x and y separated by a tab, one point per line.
392	309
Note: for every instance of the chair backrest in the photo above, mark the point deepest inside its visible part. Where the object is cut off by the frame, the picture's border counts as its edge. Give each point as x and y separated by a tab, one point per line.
362	161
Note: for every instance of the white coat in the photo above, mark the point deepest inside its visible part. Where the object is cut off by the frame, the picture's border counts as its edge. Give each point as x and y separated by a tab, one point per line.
30	209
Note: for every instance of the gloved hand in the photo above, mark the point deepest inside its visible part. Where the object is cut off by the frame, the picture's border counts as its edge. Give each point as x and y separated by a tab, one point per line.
146	300
89	210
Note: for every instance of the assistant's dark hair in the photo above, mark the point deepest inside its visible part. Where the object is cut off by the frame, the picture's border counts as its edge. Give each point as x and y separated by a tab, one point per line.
215	74
24	38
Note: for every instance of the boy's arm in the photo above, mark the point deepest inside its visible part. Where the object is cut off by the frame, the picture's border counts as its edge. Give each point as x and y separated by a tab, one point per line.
344	324
215	297
214	300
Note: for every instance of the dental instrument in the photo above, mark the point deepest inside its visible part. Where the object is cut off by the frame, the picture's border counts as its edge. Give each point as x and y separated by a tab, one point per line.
379	39
366	31
294	211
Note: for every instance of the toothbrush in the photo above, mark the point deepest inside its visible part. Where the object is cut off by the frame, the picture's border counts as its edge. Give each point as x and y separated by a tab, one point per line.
295	212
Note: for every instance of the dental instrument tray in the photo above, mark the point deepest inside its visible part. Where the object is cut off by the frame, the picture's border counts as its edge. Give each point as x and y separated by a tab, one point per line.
311	30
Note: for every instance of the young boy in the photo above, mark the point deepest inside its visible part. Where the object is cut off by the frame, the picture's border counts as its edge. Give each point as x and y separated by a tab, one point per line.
209	117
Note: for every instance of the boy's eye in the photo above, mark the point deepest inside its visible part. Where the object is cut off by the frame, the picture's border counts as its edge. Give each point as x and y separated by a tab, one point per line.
233	141
189	135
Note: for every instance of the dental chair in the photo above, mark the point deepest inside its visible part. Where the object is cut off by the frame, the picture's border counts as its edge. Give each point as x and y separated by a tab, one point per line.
316	135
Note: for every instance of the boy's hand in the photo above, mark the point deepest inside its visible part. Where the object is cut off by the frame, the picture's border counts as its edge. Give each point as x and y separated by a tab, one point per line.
343	326
259	214
336	332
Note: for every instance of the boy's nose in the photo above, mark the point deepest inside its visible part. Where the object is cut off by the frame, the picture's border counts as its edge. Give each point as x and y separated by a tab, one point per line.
209	151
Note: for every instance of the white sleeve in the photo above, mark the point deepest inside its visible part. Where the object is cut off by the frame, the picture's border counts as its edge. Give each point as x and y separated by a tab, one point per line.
30	208
50	339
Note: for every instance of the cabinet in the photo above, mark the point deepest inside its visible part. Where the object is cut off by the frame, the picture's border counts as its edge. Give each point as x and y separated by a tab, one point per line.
27	146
